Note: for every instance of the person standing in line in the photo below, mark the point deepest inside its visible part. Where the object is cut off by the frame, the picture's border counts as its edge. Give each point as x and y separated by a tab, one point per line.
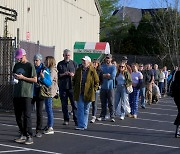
149	79
97	66
107	89
161	81
156	73
125	60
85	84
137	79
142	92
66	69
43	78
165	71
123	80
53	89
155	93
25	75
114	62
175	93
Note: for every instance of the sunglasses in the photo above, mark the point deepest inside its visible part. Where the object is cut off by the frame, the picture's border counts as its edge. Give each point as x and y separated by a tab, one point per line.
121	66
140	66
67	55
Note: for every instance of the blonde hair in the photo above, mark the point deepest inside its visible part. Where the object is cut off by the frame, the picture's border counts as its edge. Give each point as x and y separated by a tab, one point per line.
125	68
51	62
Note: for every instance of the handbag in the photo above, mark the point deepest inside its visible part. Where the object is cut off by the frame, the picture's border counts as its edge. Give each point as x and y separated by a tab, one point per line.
129	89
44	92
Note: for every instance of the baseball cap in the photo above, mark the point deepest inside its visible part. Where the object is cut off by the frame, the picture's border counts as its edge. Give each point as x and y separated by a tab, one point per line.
124	58
86	58
20	53
108	56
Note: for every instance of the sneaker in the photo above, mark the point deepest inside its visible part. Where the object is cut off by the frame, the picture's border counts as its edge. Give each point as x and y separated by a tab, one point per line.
49	131
65	123
177	135
134	116
38	134
45	129
21	139
122	117
129	115
71	113
143	107
78	128
112	120
93	119
101	119
29	140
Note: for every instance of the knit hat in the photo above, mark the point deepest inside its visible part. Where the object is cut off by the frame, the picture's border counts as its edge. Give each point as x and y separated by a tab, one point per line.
38	56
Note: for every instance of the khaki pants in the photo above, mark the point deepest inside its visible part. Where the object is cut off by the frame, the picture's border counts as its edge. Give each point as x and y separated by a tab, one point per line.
149	93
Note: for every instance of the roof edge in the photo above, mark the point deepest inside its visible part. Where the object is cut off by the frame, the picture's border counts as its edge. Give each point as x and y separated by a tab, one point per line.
98	7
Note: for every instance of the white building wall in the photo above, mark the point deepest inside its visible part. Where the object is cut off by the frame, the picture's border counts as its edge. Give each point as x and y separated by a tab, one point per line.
56	23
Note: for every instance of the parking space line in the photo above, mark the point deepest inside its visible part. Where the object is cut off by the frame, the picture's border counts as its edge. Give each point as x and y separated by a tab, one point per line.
137	119
117	140
159	114
161	121
161	109
13	151
173	106
140	128
29	149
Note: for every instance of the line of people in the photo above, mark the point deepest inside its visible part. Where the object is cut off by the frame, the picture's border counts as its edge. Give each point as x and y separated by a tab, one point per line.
81	86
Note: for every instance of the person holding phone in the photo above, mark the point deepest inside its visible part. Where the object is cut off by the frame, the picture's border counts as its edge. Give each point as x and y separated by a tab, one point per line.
25	73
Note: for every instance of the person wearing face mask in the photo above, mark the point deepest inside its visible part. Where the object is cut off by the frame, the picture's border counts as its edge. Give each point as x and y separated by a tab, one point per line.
25	73
85	84
66	69
43	78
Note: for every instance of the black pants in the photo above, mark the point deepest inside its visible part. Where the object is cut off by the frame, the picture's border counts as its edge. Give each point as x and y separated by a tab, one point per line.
39	112
64	95
22	109
107	98
177	102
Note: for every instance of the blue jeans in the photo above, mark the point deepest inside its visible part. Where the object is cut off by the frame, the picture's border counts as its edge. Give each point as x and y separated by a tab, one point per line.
48	107
120	100
142	94
82	112
94	104
133	101
161	86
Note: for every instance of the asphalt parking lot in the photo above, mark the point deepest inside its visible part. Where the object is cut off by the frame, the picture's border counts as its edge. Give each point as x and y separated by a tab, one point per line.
151	133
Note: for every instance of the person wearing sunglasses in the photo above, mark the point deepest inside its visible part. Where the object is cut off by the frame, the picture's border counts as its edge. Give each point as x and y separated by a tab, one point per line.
123	80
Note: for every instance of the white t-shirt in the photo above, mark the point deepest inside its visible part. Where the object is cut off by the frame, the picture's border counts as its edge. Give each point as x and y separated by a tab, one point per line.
135	77
161	77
